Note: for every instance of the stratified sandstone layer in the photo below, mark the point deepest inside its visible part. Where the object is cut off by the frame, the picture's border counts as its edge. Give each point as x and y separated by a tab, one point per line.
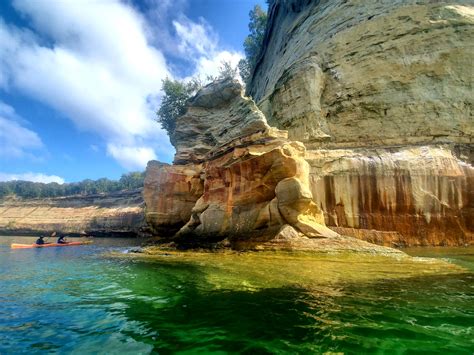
363	73
235	179
423	194
381	95
114	214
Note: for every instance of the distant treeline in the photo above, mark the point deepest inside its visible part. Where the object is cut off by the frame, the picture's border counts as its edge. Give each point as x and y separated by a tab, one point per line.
28	189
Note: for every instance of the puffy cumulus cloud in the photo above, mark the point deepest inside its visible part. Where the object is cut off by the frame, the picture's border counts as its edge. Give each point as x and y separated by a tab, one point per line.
98	63
199	42
35	177
131	157
92	62
15	139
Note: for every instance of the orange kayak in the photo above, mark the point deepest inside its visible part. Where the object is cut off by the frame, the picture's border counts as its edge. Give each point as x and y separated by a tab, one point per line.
27	246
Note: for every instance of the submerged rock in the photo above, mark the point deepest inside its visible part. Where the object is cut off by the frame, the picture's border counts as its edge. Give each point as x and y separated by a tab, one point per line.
136	250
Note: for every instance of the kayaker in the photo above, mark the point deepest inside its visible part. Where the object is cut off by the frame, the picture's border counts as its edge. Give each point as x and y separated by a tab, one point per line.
61	240
40	240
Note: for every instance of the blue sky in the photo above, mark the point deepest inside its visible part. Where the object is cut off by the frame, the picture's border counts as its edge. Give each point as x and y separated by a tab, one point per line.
80	80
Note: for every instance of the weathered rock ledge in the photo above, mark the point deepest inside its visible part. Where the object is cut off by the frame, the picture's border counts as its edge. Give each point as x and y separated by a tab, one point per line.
114	214
236	182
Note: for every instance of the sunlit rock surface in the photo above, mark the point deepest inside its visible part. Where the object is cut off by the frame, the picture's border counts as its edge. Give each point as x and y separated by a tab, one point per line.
218	119
380	93
423	195
360	73
112	214
235	178
170	193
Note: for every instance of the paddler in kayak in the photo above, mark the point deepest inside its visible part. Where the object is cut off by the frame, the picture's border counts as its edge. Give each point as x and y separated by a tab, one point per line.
62	240
40	240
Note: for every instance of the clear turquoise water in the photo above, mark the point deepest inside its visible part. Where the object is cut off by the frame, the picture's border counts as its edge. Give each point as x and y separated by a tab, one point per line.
76	300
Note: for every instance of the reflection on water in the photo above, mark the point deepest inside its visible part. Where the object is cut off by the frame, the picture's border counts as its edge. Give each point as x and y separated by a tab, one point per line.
77	300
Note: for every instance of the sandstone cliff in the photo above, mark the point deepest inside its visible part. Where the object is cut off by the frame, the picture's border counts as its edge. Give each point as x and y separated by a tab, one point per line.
237	181
381	94
364	124
114	214
363	73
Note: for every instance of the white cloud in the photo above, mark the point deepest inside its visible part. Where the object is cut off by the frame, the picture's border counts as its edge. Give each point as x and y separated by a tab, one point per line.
35	177
94	62
195	38
97	69
162	13
131	157
206	66
15	139
199	42
7	110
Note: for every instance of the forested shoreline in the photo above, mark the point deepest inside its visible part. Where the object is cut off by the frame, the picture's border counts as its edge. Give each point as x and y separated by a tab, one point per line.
29	189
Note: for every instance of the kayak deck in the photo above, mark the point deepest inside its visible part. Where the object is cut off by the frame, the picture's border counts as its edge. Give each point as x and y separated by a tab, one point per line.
48	245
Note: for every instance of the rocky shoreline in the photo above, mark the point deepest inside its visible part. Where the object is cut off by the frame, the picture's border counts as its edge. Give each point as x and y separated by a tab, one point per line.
117	214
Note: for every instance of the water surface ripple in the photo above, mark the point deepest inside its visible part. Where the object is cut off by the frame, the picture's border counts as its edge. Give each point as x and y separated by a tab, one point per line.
75	300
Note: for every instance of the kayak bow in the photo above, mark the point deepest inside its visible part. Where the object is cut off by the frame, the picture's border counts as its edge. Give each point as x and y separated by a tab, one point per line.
27	246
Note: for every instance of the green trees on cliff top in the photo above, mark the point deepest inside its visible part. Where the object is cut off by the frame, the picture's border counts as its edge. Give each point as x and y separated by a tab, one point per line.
28	189
253	42
176	93
173	104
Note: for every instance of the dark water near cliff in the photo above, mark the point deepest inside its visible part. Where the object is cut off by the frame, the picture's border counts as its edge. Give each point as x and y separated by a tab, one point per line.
75	300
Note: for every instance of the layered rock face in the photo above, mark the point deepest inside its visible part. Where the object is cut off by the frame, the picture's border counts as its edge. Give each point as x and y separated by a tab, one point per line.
114	214
380	93
235	178
359	73
421	195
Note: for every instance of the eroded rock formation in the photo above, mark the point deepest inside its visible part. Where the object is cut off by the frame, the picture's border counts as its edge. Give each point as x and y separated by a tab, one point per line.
370	131
380	93
113	214
235	178
171	191
421	195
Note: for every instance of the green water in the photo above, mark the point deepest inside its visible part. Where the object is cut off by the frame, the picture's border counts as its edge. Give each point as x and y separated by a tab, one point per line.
84	300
